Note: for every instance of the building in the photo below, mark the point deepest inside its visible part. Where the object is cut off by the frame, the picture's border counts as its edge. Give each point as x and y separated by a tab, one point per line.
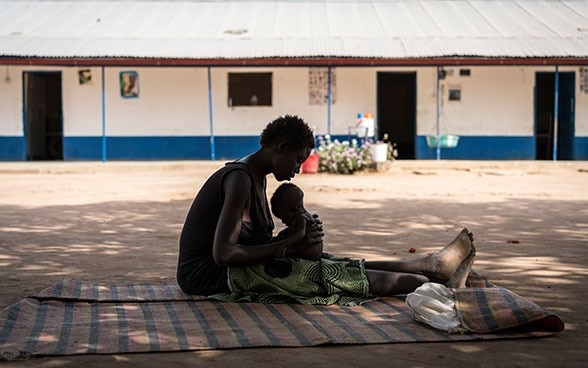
140	80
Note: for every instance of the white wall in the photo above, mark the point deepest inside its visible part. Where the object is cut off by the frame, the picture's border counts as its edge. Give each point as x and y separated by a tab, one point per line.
82	114
82	104
356	93
581	106
171	102
174	101
11	101
494	101
289	96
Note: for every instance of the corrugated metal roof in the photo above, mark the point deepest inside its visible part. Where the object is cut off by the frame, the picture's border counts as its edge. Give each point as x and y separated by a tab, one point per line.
294	29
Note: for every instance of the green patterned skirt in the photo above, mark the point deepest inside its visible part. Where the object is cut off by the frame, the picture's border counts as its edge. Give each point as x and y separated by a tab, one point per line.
332	280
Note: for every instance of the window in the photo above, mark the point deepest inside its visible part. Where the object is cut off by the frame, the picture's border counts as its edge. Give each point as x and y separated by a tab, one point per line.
250	89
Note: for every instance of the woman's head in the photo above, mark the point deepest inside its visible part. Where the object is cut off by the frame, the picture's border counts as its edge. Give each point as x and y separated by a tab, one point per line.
288	129
290	140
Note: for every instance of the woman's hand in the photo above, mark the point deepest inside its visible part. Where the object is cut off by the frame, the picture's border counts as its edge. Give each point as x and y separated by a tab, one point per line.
306	239
314	231
314	237
297	238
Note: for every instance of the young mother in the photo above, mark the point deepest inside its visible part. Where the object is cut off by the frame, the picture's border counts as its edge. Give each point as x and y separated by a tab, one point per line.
229	225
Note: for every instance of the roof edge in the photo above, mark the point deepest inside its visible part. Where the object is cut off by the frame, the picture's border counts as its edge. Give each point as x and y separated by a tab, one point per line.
315	61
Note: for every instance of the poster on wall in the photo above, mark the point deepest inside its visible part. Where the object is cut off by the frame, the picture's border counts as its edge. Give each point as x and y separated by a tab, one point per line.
84	76
129	84
584	80
318	86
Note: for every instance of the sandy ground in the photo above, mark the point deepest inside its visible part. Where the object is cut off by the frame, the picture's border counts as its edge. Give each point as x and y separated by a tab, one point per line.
119	222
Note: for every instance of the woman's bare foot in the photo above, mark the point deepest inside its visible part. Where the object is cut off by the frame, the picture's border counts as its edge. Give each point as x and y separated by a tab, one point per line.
443	264
459	278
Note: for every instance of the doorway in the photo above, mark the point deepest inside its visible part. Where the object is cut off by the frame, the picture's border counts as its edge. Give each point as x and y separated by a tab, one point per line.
43	115
397	110
545	116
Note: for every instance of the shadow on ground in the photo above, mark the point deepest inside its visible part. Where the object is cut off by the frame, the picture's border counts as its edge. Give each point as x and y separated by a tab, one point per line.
537	248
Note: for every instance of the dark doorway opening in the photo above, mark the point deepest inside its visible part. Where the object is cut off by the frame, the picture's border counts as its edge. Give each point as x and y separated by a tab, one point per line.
43	115
545	116
397	110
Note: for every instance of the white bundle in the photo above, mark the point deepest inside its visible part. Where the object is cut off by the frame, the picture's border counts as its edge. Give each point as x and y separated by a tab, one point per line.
434	305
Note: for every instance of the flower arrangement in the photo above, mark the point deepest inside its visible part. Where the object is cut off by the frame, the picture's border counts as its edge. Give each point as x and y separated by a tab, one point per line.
347	157
342	157
392	150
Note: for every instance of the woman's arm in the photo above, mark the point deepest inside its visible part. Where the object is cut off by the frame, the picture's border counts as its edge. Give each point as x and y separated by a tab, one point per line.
225	249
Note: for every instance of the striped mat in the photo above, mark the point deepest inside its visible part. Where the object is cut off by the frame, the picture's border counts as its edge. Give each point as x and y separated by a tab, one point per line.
80	318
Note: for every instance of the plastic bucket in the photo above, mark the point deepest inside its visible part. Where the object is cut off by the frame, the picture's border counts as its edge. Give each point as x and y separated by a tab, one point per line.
379	152
445	141
311	165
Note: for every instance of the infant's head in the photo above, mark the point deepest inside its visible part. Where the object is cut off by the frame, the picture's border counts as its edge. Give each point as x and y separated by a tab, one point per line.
287	202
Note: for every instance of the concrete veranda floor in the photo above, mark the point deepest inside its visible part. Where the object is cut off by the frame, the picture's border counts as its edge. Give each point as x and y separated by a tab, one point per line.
120	221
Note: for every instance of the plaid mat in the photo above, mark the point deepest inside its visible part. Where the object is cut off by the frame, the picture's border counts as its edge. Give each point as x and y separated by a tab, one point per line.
484	307
77	318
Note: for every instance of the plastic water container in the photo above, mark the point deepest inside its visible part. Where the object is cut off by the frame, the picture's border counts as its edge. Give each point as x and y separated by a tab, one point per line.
379	152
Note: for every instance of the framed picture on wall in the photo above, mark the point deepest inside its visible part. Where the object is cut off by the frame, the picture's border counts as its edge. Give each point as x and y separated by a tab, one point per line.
85	76
584	80
129	84
454	94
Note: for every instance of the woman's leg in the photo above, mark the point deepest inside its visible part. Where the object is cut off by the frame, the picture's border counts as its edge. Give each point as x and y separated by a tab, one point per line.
438	266
459	278
388	283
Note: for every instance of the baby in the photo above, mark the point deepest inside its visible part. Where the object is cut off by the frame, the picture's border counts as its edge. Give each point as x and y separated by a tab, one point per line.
288	205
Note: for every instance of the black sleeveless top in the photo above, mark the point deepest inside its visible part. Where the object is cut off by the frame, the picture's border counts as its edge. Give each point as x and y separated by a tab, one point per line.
197	272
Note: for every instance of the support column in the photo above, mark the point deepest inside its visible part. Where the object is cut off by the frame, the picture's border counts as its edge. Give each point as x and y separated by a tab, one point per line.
555	111
211	118
103	116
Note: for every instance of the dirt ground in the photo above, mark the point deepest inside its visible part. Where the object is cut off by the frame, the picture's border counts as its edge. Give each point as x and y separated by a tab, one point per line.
119	222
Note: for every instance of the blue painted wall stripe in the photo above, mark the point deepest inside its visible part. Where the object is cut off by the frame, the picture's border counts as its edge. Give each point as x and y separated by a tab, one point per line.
13	148
157	148
83	148
481	148
581	148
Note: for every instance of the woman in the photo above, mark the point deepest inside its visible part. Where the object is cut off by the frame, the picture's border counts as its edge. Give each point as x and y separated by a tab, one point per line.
229	225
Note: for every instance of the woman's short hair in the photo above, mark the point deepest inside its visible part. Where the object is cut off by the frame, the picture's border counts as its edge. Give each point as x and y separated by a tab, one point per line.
289	129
